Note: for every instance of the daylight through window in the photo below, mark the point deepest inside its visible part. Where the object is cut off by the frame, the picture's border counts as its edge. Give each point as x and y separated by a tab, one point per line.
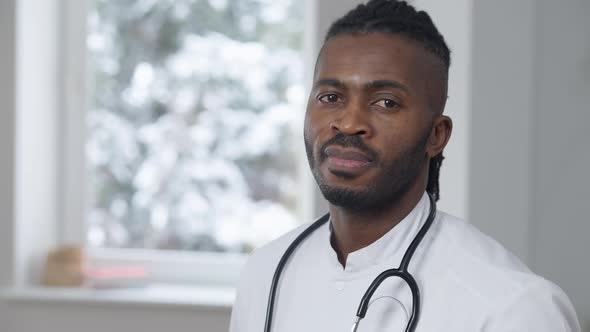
190	126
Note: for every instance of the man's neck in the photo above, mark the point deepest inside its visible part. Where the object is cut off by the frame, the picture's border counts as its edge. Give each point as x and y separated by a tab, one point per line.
353	230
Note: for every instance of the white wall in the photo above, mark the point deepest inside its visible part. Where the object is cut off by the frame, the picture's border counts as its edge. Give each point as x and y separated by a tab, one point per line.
561	153
455	26
529	156
7	139
73	317
500	132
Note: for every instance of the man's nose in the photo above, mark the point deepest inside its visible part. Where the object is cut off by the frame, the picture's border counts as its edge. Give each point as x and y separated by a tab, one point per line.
351	120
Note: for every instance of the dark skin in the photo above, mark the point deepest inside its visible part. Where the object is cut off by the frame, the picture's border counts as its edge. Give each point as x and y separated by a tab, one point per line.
389	91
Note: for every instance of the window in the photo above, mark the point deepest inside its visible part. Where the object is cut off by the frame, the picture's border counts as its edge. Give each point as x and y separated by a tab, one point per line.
193	115
191	140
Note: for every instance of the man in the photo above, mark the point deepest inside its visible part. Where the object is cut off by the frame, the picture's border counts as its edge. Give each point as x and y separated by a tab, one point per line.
374	136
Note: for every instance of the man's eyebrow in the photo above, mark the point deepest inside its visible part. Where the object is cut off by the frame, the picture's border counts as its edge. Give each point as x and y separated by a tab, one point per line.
386	84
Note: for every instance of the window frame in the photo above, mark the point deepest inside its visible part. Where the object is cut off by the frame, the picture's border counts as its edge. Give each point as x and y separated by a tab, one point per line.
75	87
162	266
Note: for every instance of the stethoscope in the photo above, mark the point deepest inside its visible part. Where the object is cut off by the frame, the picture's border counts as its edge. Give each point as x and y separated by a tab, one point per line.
400	272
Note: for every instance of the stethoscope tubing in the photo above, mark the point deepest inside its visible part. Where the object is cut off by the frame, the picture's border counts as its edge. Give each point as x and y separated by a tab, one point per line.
400	272
283	262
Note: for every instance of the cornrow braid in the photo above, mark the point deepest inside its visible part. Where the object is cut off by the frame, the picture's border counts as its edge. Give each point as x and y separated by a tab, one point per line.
398	17
393	16
433	174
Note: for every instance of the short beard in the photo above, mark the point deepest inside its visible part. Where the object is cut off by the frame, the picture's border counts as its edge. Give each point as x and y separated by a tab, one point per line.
385	190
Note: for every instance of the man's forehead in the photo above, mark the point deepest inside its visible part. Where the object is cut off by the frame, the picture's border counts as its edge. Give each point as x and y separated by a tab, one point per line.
376	56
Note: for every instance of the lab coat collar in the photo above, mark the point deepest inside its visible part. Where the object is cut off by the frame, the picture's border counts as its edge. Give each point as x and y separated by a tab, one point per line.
388	249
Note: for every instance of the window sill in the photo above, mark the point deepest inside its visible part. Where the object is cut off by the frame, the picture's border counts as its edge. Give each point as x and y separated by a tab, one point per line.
156	295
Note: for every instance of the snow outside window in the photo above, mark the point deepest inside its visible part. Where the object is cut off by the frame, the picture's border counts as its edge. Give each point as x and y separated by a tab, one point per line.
194	114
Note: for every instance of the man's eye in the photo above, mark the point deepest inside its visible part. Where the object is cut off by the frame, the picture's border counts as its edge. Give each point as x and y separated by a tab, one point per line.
329	98
387	103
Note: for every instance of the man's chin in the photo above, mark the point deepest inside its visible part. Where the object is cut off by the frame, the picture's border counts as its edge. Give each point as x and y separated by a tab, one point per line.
345	196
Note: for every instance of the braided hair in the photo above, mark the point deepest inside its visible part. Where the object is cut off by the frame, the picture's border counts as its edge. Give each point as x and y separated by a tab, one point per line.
398	17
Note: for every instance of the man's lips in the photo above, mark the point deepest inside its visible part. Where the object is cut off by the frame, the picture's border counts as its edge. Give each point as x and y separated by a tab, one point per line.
346	154
346	160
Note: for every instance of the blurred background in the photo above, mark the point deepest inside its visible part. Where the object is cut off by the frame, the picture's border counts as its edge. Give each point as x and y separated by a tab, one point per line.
161	142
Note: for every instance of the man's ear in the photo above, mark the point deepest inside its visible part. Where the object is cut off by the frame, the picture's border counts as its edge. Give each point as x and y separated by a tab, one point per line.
440	135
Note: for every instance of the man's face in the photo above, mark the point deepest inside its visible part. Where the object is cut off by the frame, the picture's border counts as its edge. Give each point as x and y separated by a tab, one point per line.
369	117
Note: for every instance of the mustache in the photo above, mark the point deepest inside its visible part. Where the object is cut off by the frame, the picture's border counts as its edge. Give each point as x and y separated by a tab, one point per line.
347	141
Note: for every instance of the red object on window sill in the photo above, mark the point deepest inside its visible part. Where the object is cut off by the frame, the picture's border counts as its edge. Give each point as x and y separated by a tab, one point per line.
116	276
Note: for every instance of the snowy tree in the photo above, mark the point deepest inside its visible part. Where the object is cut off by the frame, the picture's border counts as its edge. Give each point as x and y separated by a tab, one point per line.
191	133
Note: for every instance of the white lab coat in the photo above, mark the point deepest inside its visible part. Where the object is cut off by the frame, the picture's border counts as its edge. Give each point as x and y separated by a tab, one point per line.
468	282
